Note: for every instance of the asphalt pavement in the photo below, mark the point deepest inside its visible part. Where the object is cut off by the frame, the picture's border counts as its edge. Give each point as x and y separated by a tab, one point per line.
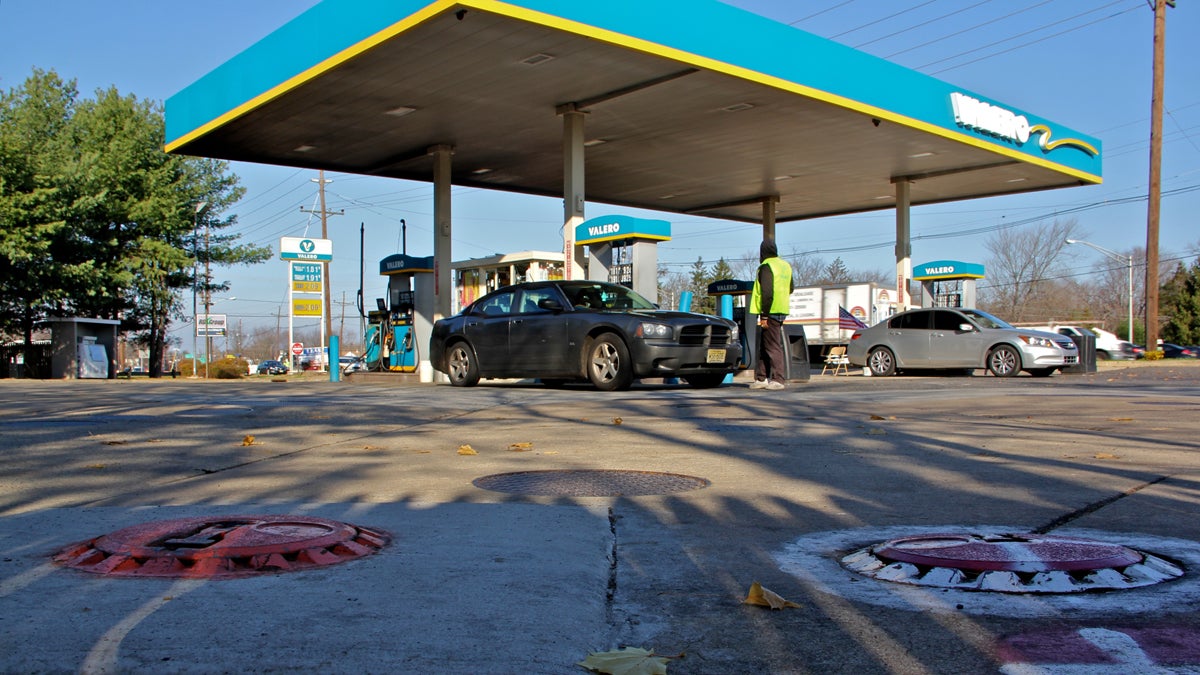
483	574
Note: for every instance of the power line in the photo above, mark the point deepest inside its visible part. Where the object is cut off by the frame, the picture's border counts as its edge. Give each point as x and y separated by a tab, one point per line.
990	22
890	16
923	23
1026	44
830	8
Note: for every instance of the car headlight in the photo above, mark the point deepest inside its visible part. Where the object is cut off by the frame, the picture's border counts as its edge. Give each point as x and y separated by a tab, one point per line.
654	330
1035	341
733	334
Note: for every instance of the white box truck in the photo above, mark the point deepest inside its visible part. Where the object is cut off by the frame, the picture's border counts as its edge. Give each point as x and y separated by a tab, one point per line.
816	309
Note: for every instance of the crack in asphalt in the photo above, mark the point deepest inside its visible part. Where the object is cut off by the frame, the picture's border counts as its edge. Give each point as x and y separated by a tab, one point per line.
1095	506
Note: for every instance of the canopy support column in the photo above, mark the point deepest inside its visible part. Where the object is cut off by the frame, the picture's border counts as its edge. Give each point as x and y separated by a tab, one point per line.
903	244
768	217
573	190
443	288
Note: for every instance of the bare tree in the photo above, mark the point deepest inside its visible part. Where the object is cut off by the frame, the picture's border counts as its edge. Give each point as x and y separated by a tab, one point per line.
1025	271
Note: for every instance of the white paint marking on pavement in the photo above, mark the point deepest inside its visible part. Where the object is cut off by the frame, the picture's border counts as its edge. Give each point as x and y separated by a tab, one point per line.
102	659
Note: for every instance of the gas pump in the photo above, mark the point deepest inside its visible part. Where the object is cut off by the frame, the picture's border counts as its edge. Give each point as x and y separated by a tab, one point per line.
377	327
740	290
399	328
402	357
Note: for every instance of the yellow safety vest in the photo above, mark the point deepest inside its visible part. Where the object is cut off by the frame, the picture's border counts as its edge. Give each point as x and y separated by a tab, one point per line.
781	273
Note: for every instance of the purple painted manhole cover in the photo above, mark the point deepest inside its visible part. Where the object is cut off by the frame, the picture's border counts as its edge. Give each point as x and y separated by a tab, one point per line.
1010	563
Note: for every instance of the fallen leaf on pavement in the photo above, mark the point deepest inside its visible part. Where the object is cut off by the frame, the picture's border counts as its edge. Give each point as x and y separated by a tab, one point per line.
617	420
115	442
880	417
520	447
1120	419
248	440
466	450
766	598
1106	455
627	661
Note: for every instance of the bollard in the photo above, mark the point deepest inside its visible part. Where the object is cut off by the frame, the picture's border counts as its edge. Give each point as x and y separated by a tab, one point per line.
726	312
335	360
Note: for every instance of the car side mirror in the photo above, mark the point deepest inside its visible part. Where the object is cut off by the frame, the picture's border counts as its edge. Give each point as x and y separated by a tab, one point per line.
550	304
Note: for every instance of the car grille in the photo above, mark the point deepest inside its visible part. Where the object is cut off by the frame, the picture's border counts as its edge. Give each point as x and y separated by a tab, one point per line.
1070	360
705	335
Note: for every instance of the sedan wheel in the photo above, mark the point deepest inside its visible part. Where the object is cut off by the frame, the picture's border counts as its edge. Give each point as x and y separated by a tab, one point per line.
461	366
882	362
608	364
1004	361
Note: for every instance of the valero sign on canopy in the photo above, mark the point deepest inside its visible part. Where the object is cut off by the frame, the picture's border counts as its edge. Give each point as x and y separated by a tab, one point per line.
618	228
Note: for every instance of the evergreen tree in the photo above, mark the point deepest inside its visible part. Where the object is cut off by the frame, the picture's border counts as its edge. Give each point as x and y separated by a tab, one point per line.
836	272
96	220
1179	301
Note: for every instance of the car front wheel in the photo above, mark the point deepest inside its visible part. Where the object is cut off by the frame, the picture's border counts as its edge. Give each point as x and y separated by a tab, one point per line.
608	364
1004	361
882	362
461	365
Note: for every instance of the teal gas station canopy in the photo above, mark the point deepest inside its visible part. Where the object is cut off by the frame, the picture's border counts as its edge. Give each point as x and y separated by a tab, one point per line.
692	107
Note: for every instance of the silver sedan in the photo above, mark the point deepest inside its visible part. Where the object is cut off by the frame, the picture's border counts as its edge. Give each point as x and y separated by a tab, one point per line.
943	338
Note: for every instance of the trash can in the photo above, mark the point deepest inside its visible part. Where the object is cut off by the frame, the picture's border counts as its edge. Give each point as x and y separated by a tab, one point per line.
799	368
1087	354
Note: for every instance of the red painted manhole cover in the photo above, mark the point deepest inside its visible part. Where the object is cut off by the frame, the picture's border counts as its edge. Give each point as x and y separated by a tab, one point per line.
229	546
1011	563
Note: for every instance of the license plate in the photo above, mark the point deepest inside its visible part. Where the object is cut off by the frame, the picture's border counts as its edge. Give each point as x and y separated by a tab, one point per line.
716	356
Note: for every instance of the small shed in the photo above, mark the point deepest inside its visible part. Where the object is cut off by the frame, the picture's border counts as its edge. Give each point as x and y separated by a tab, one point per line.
83	348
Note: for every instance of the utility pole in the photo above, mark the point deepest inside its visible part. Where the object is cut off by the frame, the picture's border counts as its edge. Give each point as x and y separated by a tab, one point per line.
1155	195
320	181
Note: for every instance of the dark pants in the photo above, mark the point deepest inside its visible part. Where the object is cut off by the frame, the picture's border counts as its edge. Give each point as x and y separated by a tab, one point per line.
770	364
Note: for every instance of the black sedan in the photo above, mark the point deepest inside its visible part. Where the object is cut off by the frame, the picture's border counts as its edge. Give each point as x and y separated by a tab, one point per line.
272	368
1173	351
559	331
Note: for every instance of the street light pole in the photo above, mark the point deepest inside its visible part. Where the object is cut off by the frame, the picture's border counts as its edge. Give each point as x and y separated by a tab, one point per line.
1128	260
195	273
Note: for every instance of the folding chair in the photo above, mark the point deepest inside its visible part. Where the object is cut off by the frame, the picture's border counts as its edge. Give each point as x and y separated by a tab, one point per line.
837	359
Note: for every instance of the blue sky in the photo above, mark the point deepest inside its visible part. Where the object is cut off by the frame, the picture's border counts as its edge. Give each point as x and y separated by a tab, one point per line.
1085	64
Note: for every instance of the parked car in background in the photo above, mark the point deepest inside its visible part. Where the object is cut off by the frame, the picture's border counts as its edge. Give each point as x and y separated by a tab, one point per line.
272	368
1108	345
560	331
1174	351
352	364
944	338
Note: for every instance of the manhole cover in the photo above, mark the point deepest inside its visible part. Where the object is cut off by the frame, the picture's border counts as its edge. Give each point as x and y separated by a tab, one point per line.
590	483
1010	563
227	546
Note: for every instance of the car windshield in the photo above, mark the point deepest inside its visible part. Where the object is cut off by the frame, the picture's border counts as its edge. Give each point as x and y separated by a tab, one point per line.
984	319
602	296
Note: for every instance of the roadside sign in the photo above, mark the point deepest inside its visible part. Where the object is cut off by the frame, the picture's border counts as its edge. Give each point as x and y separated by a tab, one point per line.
210	325
307	277
297	348
307	307
303	248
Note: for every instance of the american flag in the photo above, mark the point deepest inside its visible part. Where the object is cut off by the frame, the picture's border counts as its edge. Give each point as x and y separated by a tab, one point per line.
849	321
